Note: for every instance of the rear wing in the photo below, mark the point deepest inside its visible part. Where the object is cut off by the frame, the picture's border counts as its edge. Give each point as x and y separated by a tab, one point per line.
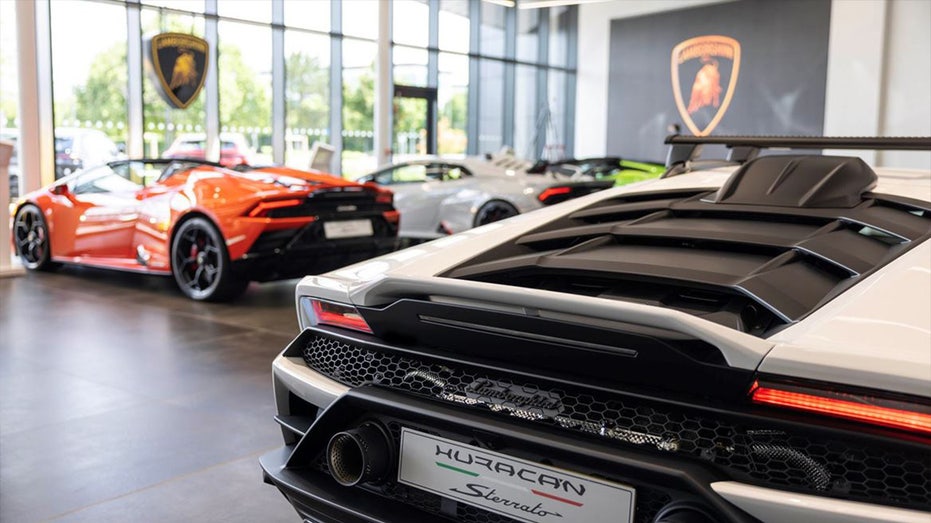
739	349
741	149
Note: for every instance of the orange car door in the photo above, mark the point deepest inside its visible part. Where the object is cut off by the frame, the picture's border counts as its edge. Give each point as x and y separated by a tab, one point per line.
107	207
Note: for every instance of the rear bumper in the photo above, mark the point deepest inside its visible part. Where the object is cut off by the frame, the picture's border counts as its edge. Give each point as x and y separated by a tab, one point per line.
294	261
298	469
320	501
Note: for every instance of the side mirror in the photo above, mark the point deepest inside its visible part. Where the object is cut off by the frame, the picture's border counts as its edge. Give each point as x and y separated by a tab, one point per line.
61	189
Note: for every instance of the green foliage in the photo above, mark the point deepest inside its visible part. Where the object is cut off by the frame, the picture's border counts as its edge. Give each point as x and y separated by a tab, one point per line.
103	97
307	87
410	114
243	102
359	103
455	111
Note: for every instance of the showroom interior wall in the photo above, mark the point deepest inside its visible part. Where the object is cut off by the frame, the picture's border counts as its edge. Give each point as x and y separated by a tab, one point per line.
878	78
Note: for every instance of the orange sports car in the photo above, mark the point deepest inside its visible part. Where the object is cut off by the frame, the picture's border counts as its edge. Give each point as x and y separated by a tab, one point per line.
212	228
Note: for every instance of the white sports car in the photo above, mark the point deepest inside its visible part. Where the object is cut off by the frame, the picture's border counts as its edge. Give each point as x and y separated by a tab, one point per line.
737	343
439	196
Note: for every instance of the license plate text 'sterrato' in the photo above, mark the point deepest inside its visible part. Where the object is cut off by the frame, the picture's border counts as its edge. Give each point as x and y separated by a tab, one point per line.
509	486
347	229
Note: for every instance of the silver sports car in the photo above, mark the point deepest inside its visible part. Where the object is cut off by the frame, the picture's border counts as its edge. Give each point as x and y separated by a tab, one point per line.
438	196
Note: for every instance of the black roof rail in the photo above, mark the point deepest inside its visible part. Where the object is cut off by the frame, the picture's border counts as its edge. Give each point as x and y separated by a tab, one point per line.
745	148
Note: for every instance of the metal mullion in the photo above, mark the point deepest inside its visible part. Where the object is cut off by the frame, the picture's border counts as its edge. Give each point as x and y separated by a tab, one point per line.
336	85
510	51
433	74
433	44
572	50
212	83
278	83
135	141
475	17
544	115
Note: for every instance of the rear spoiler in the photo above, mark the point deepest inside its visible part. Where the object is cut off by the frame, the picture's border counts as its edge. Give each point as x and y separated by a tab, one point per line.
739	349
742	149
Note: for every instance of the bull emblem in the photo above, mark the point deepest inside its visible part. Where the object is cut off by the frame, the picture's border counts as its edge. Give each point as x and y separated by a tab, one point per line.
184	72
177	64
706	59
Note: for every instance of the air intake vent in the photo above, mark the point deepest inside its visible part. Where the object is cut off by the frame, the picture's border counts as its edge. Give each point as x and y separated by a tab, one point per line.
799	181
732	260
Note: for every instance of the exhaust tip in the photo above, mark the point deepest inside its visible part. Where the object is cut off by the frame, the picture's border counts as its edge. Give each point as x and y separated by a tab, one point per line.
359	455
684	512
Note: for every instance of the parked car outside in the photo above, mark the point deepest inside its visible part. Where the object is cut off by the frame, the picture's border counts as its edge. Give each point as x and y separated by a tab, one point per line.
748	342
234	149
77	148
212	228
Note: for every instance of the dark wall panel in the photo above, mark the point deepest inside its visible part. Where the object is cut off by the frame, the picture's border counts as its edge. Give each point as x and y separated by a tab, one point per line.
780	83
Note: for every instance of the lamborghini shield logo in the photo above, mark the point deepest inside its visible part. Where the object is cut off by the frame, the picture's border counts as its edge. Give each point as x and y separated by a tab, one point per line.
178	63
701	67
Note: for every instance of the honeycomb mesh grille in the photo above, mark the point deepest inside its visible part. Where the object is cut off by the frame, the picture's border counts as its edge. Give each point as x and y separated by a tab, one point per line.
877	474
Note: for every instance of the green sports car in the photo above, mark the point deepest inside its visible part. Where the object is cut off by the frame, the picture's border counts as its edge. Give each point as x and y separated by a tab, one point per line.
617	169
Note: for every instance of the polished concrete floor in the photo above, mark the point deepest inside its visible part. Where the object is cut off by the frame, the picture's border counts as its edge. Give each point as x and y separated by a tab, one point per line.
120	400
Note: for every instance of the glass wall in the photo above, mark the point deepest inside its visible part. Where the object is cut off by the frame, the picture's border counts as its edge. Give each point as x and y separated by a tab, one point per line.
454	26
491	106
500	76
358	155
170	131
244	63
527	113
492	41
528	34
555	116
453	103
89	87
306	14
307	94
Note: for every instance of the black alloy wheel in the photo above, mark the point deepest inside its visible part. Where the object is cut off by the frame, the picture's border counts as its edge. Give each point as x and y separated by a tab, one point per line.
31	239
493	211
201	264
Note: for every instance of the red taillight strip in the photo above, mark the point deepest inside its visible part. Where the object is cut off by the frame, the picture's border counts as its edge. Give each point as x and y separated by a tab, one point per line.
864	412
274	204
384	196
339	315
553	191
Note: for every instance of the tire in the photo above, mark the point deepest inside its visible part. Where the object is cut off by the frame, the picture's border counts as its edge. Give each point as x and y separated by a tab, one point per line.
201	264
31	239
493	211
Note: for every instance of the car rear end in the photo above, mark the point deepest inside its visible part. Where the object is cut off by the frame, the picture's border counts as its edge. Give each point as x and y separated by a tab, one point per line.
331	226
604	362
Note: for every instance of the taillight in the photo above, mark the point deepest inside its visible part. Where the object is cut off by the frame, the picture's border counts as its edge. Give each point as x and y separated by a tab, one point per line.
263	207
392	216
897	414
554	195
338	315
384	196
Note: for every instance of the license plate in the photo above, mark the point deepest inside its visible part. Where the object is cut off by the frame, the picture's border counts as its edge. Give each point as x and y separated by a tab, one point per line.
512	487
347	229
